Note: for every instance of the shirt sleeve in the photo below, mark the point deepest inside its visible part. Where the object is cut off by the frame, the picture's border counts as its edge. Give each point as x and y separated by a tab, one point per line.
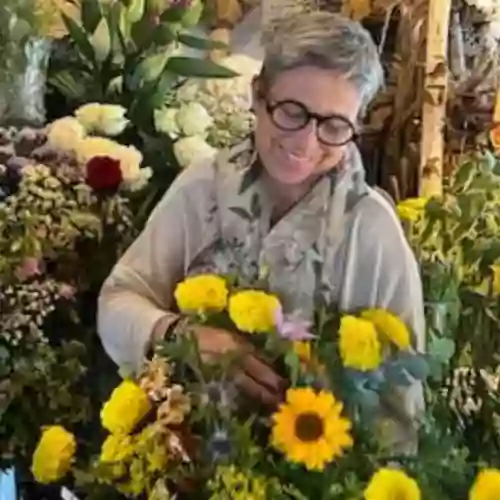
138	294
381	271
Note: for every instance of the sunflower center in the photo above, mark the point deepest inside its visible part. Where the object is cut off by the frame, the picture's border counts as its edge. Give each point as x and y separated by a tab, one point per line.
308	427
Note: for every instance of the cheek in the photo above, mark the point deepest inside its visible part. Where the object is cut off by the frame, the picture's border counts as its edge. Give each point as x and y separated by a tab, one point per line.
332	157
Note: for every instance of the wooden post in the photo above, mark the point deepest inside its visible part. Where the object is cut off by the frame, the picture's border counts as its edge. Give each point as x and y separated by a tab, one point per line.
435	96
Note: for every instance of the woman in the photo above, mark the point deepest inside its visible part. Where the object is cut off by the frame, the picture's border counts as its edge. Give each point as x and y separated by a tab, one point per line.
293	201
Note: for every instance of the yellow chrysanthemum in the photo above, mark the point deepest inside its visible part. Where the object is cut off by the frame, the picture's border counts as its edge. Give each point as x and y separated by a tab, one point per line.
253	311
53	455
126	407
388	484
309	428
202	294
389	326
486	486
359	345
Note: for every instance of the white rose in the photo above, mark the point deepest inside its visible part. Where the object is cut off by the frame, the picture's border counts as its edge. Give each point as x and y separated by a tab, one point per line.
190	150
107	119
194	119
166	122
65	134
130	163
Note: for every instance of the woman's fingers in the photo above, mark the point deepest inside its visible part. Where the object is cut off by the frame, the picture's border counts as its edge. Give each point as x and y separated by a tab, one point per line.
263	374
248	385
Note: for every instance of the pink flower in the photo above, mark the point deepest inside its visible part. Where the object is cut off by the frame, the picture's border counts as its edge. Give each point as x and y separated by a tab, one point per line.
30	267
292	327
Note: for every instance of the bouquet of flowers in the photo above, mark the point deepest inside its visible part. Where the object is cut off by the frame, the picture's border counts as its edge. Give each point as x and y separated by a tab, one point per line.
183	430
64	220
203	116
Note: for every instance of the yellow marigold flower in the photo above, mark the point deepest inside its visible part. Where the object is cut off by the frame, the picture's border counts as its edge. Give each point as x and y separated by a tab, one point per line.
486	486
126	407
411	209
495	137
253	311
387	484
202	294
390	327
53	455
359	345
309	428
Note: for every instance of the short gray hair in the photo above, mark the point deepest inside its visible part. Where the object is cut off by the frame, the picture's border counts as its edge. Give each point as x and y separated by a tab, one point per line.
325	40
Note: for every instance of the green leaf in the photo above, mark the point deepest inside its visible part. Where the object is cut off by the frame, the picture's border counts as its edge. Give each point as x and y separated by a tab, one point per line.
441	349
4	361
167	81
149	69
172	15
192	67
135	10
293	363
196	42
395	374
68	84
80	38
90	14
164	34
416	365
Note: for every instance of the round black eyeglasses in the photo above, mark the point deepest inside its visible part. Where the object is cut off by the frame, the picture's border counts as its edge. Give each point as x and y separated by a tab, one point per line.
291	116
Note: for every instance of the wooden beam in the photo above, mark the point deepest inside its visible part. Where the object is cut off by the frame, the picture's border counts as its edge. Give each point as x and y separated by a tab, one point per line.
435	96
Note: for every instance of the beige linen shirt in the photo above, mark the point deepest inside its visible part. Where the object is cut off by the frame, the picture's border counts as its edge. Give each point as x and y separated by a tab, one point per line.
342	239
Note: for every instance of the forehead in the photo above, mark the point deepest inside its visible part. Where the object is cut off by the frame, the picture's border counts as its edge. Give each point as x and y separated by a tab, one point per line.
320	90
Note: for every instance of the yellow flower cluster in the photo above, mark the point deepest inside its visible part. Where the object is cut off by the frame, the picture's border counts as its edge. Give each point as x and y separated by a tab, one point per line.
361	340
309	428
53	455
202	294
252	311
231	482
126	407
411	209
486	486
359	345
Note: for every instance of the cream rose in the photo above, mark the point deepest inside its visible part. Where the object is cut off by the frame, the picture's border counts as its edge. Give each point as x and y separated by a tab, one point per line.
193	119
107	119
65	134
130	158
166	122
190	150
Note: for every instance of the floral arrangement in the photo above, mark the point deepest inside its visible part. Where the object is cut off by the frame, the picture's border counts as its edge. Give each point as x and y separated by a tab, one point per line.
456	240
203	116
183	428
64	220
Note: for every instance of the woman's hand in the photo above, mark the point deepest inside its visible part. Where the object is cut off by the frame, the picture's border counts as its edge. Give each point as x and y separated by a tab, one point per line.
253	376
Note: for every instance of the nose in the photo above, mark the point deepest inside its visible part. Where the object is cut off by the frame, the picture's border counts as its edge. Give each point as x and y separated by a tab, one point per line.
307	137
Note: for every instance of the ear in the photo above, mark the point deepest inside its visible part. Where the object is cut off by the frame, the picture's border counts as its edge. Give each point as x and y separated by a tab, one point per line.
256	89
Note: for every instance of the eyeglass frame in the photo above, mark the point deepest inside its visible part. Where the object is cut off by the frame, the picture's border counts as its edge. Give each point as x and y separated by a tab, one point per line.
319	119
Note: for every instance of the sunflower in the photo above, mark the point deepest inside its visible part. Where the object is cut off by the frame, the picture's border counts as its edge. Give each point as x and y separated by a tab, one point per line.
388	484
390	327
309	428
486	486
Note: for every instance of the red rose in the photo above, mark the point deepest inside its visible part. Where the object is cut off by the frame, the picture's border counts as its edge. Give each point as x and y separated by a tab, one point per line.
103	173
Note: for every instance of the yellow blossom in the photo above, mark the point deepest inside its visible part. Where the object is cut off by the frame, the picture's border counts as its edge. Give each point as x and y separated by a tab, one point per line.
411	209
390	327
65	134
495	137
389	484
309	428
202	294
126	407
308	360
152	446
486	486
107	119
358	344
53	455
253	311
